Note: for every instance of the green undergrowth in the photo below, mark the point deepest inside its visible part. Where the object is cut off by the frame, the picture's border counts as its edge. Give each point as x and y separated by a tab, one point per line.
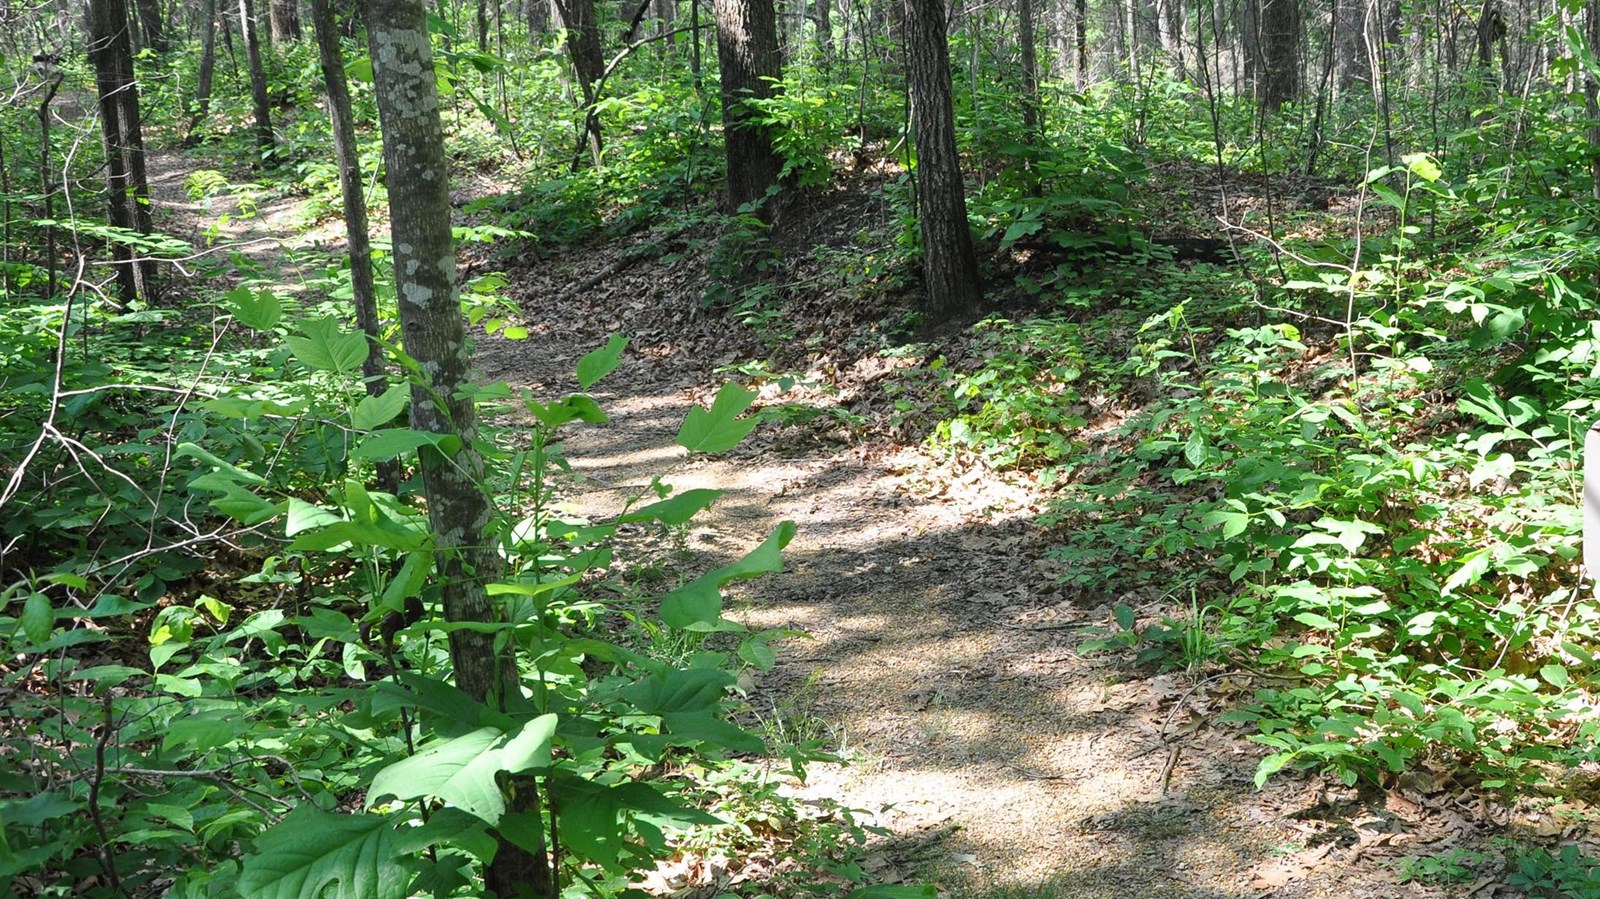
1363	473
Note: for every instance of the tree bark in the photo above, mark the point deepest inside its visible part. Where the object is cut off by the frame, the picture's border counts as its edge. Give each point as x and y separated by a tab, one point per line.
153	25
949	264
747	47
582	26
208	69
347	156
258	76
127	187
434	333
1032	112
285	16
1279	76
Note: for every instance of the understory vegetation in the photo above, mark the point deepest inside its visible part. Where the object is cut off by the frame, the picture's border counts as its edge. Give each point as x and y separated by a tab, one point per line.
1303	393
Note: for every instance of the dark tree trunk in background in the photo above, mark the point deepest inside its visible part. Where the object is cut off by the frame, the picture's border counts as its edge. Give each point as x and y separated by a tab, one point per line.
1352	65
949	264
1279	76
822	17
153	25
208	70
435	336
1032	113
483	26
1591	91
127	187
1080	21
582	25
258	76
347	154
747	46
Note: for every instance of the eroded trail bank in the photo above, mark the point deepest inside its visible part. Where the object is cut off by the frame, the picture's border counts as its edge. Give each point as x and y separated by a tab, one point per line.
940	655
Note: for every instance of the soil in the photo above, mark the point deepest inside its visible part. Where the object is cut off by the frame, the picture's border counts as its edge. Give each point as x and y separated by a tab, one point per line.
940	655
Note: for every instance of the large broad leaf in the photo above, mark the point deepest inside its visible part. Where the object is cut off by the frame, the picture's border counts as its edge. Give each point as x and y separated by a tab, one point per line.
377	411
679	690
718	429
390	443
462	770
313	854
257	310
599	363
697	605
326	347
674	510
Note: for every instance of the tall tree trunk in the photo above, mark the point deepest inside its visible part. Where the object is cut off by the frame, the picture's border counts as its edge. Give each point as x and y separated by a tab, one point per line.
153	25
1169	32
949	264
582	26
822	18
1080	21
127	188
434	333
1350	39
258	76
285	16
208	69
483	26
1032	117
347	155
1280	52
1591	92
747	47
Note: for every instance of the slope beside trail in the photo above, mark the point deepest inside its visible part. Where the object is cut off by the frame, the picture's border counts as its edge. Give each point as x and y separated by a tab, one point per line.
940	654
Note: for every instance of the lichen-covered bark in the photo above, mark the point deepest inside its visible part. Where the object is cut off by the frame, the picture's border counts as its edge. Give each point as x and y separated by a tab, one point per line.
747	47
434	334
949	264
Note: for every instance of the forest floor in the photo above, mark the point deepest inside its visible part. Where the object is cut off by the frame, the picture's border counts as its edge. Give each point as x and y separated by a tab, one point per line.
941	655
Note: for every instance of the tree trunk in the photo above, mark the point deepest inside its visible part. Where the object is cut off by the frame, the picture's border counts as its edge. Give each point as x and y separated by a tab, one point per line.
822	18
1350	36
1591	93
285	16
747	47
483	26
582	25
1169	32
347	155
258	76
949	264
434	333
127	188
1032	117
153	25
1080	21
208	69
1279	75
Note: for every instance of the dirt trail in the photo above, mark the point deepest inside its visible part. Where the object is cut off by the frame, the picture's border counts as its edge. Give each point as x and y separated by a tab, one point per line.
941	655
941	658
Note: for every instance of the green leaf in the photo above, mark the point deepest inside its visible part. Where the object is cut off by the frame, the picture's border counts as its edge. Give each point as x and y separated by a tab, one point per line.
226	469
1474	565
599	363
38	618
718	429
888	891
675	510
1555	676
697	605
258	310
313	854
679	690
381	446
461	771
1233	523
1422	166
377	411
325	347
1313	620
